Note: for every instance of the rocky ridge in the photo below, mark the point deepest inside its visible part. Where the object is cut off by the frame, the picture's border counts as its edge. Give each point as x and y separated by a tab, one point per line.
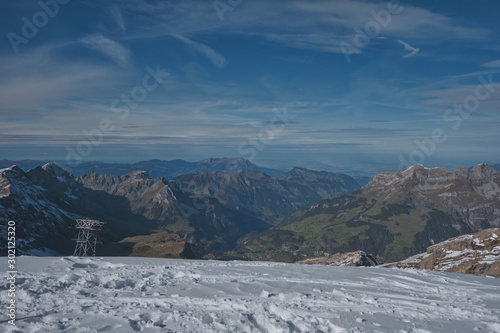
473	195
477	254
269	199
155	199
21	200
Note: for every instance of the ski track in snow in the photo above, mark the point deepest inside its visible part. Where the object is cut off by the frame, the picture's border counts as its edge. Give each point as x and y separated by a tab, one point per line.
162	295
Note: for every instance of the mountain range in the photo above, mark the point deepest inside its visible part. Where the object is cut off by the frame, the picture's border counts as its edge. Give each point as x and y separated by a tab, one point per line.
142	212
248	214
155	168
395	216
46	200
269	199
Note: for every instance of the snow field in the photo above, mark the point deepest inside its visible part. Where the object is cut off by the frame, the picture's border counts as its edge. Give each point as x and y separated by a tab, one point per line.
162	295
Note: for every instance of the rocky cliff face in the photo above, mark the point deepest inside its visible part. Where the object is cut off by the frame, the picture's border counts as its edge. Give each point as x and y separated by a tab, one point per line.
208	225
473	196
269	199
155	199
21	201
46	200
473	254
396	215
357	258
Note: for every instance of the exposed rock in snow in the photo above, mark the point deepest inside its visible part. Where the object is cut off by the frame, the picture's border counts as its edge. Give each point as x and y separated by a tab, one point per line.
357	258
475	254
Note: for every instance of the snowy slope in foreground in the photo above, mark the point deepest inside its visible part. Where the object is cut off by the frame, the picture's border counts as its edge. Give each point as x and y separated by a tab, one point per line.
161	295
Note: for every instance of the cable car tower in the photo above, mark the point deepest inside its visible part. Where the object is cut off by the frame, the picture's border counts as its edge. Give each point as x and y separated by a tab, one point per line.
86	240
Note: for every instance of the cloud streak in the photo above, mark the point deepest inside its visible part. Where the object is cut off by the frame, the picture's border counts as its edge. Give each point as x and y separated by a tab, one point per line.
107	47
214	57
280	53
117	16
492	64
408	47
320	26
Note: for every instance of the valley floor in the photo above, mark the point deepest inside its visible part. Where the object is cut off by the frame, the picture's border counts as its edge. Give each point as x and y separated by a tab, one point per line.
162	295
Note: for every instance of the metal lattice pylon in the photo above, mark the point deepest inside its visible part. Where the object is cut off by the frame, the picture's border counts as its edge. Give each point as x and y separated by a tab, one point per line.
86	240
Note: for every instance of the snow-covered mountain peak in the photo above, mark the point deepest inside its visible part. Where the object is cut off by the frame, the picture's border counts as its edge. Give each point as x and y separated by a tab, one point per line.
13	176
7	175
13	168
51	176
415	167
55	170
29	199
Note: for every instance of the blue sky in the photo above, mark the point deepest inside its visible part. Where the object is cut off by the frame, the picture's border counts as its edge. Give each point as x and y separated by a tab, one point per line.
281	83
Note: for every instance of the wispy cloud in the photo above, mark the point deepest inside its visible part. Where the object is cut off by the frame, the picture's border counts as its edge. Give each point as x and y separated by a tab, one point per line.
38	80
408	47
216	59
307	41
454	95
363	132
109	48
321	25
117	16
492	64
58	92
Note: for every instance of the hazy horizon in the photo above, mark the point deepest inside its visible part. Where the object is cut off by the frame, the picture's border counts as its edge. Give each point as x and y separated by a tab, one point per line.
353	169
